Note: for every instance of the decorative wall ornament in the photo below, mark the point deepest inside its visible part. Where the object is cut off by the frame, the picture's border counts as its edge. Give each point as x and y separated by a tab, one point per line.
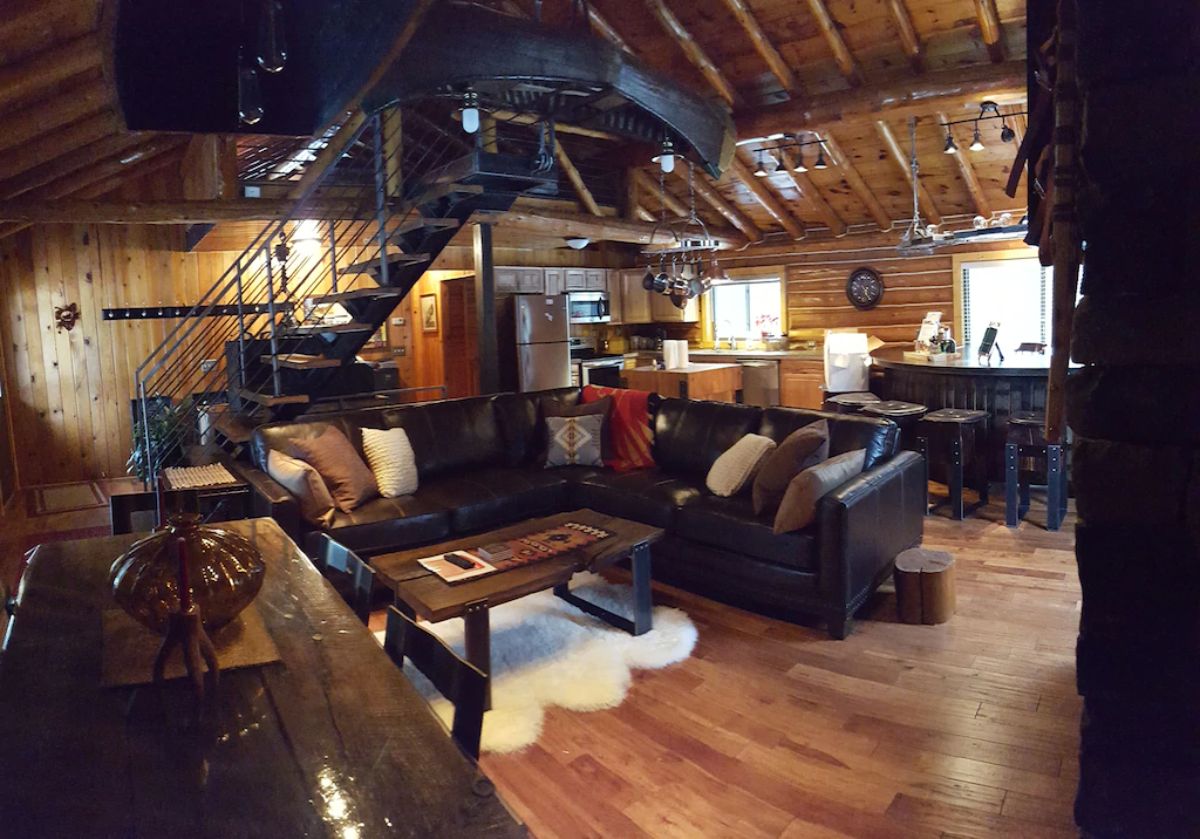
65	317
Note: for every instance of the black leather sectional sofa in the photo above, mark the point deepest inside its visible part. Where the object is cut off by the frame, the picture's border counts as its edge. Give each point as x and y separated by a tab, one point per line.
478	463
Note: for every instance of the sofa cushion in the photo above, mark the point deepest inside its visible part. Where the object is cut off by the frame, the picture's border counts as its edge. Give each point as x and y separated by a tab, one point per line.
847	432
279	435
451	436
574	441
735	469
798	509
519	418
304	482
391	458
390	524
348	478
730	524
485	498
629	426
689	436
552	408
647	495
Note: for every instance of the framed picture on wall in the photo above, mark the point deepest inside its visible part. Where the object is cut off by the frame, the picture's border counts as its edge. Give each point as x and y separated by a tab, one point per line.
429	313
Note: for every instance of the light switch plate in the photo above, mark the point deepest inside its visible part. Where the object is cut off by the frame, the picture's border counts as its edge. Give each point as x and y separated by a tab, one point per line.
208	365
398	321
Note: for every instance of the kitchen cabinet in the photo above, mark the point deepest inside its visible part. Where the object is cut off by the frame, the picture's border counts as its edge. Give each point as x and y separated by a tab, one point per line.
616	294
801	383
507	280
531	281
662	310
555	282
635	300
575	279
596	279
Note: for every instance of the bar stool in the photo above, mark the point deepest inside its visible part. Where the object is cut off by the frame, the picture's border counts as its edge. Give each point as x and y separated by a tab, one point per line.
944	434
905	414
848	403
1026	441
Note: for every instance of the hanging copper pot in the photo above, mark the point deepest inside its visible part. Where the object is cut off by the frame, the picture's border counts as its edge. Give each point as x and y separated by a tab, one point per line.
225	572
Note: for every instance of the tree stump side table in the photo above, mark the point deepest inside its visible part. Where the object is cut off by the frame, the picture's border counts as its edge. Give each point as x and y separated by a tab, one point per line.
924	586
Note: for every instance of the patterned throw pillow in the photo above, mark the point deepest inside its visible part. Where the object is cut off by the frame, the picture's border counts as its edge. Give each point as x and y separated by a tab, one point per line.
573	441
628	426
737	465
391	458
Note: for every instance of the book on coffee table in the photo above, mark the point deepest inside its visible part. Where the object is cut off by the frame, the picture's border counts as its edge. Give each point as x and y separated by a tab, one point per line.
452	572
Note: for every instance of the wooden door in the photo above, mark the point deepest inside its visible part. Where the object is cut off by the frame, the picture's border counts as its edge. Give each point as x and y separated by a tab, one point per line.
460	338
664	311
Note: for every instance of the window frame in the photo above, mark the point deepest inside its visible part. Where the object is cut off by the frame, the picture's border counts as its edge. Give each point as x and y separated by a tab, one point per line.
958	260
747	277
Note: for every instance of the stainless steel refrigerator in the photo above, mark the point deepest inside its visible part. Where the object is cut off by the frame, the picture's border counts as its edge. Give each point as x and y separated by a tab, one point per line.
535	327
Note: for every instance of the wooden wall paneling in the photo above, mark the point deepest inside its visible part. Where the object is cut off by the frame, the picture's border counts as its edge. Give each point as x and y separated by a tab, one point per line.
111	450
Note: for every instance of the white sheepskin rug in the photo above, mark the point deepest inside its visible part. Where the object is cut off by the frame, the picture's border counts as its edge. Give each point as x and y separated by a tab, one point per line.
547	652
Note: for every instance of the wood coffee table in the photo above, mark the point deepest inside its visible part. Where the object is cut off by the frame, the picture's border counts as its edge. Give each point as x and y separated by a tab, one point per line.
425	595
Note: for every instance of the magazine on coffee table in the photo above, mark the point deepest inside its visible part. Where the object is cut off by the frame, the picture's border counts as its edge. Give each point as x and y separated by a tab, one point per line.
450	566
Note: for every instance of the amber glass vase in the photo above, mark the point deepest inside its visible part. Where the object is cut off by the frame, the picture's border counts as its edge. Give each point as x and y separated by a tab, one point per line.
224	569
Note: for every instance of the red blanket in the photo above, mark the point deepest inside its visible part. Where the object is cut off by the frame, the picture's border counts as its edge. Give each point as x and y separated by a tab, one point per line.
629	427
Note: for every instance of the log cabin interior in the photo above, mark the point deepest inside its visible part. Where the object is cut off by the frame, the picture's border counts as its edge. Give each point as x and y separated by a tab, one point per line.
733	409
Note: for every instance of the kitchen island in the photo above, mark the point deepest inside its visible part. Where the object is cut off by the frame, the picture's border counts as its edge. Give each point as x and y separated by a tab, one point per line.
717	382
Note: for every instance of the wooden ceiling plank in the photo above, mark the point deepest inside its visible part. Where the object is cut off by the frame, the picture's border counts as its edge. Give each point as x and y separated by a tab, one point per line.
656	196
718	202
68	164
909	39
831	29
924	199
990	30
38	119
962	158
857	184
57	144
809	190
763	45
25	78
900	99
581	189
763	194
692	50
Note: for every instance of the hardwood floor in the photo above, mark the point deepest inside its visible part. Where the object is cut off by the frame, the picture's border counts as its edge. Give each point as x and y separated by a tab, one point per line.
771	729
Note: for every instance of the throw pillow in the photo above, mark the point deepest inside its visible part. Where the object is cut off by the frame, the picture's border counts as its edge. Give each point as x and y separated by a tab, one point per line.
601	408
302	481
737	465
801	449
629	426
349	480
799	506
573	441
391	458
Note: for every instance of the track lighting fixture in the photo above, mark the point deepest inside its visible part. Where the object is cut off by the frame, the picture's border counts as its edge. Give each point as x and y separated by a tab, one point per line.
976	140
666	156
951	146
470	112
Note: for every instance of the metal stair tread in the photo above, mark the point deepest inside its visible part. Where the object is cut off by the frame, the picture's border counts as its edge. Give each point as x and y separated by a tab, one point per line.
335	328
300	361
358	294
234	427
401	260
419	222
270	401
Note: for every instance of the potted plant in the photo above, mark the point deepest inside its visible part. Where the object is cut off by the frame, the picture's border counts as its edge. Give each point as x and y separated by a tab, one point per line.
159	436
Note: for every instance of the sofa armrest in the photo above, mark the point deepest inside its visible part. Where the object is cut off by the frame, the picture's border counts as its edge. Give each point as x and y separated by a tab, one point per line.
269	498
862	526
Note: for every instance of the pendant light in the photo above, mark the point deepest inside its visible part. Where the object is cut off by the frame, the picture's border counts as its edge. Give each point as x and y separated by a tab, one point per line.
272	47
250	107
666	156
470	112
760	171
1007	135
951	146
799	166
820	164
976	141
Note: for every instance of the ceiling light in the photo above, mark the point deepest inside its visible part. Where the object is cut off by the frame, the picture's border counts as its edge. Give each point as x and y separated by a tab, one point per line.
760	171
799	165
470	112
951	146
1006	133
821	164
666	156
578	242
976	140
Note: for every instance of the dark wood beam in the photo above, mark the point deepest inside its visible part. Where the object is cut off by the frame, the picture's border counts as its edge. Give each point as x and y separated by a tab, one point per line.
762	44
832	31
597	228
770	201
944	90
990	30
924	199
909	39
52	114
67	211
485	310
38	72
692	50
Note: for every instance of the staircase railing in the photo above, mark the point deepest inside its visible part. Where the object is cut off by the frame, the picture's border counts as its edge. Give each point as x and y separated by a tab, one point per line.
354	205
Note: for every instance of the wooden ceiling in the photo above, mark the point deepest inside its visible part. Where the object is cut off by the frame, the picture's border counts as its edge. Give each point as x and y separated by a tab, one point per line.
852	71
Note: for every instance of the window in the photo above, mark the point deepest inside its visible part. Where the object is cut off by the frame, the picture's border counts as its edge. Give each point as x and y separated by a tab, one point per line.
1015	292
747	309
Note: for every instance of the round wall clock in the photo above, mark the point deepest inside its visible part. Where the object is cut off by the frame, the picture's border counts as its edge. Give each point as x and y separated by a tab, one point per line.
864	288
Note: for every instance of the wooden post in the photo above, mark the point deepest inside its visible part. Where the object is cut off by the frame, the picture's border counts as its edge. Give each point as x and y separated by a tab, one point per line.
485	310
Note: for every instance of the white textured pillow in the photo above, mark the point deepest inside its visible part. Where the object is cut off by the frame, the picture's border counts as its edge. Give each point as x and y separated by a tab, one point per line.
391	458
737	465
304	482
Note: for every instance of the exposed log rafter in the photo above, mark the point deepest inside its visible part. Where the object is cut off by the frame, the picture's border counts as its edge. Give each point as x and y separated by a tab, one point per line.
909	39
607	31
990	30
924	199
832	31
762	44
718	202
44	69
692	50
656	197
856	182
771	202
970	179
808	190
581	189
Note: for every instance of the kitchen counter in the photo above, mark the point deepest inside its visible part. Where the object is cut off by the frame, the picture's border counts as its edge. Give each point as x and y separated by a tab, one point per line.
811	355
718	382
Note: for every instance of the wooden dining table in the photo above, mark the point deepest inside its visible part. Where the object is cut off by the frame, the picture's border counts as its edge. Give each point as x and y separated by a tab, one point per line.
330	740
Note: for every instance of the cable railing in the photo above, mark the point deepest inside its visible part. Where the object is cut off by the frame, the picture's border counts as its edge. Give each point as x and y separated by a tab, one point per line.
346	216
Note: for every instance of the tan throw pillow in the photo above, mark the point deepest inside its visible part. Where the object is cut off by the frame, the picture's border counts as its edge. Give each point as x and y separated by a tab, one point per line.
799	505
390	456
737	465
349	480
302	481
803	448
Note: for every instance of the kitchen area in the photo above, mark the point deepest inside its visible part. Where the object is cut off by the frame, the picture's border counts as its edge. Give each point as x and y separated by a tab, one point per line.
615	332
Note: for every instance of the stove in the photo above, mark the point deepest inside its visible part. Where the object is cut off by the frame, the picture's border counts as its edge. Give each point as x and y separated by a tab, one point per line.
589	366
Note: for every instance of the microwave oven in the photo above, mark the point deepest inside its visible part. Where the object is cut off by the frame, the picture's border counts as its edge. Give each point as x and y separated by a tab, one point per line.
588	307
